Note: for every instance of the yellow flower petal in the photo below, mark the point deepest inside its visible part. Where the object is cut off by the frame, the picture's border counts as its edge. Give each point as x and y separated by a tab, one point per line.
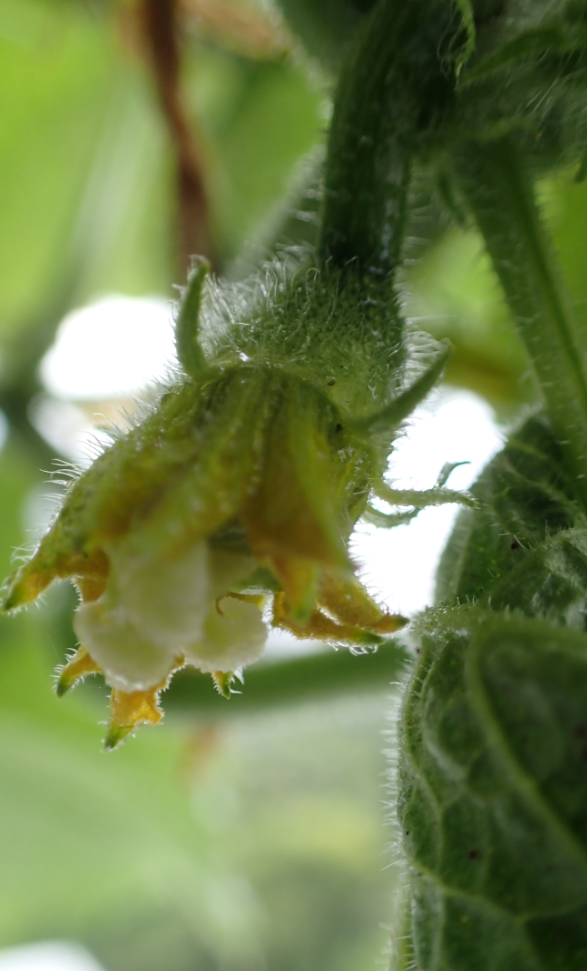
130	709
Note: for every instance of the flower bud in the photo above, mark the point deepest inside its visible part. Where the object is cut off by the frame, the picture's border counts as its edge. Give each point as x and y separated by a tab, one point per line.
237	492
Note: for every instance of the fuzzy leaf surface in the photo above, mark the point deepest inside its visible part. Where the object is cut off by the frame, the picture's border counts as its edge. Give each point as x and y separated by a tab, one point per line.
526	499
493	794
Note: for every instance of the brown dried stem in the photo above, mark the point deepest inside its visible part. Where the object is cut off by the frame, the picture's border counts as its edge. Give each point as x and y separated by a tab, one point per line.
160	20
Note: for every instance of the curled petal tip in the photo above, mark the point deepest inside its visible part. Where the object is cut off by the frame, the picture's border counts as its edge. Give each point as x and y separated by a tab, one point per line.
9	602
390	623
222	682
61	687
23	588
77	668
116	735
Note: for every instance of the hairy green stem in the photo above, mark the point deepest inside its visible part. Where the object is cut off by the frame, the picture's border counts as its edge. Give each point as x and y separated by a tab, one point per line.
393	95
501	197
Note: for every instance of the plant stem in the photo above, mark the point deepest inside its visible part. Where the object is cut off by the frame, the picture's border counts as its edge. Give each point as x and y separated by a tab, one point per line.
395	91
161	23
501	197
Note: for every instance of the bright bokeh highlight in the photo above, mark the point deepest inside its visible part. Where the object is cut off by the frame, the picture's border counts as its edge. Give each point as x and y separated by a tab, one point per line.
48	956
400	563
111	348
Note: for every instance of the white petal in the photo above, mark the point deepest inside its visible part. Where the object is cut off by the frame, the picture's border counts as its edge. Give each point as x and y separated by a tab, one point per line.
165	598
230	639
129	661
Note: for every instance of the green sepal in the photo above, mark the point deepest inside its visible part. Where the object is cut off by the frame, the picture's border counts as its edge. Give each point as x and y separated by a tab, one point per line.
208	493
388	520
187	347
420	499
388	419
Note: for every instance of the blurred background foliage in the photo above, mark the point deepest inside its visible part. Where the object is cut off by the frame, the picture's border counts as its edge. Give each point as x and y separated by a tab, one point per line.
255	841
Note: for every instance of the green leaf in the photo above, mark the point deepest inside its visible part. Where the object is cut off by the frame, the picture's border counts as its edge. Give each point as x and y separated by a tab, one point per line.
493	794
465	8
552	38
525	496
550	581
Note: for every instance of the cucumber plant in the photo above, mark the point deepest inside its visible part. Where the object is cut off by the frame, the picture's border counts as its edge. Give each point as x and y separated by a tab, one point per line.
231	503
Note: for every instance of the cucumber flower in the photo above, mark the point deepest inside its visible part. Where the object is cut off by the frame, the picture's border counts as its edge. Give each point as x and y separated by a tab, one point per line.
229	507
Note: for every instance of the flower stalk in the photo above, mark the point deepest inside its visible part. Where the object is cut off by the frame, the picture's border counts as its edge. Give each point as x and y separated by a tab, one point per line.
501	197
394	95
